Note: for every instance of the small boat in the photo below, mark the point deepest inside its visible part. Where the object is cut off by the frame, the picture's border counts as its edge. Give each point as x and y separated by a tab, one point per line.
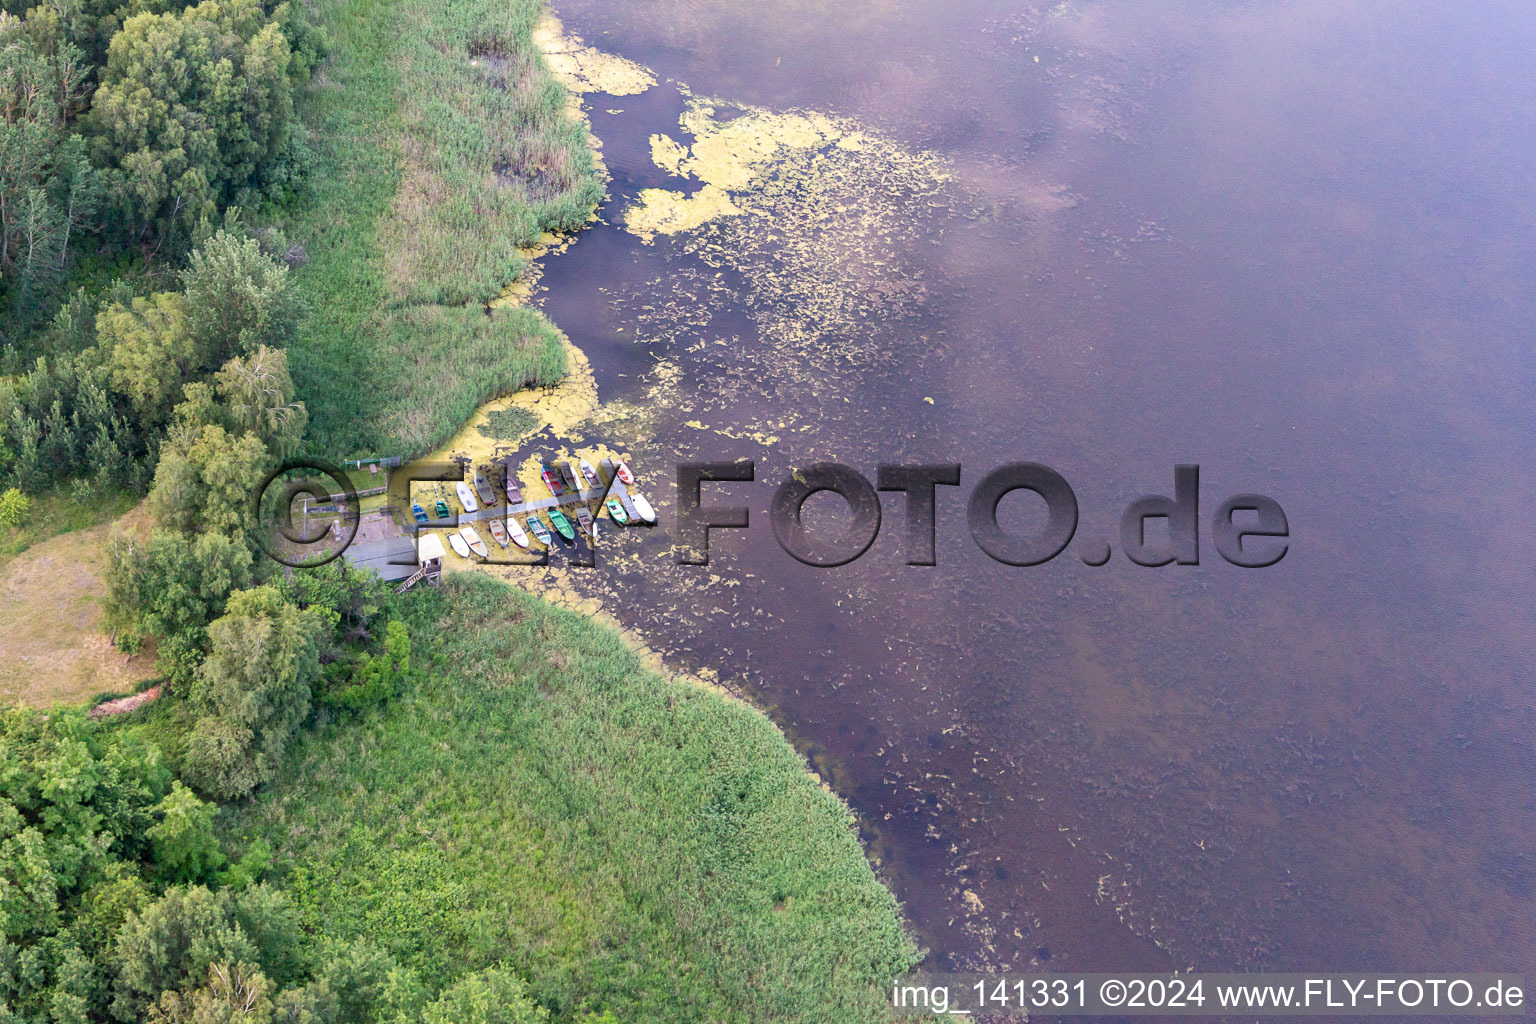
498	531
642	506
518	536
590	472
584	518
458	544
562	525
625	476
473	540
442	509
568	475
466	496
419	512
617	511
514	489
551	480
540	530
484	489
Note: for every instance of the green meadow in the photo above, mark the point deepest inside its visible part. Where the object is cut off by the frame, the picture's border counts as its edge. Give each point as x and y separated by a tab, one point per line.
626	842
442	145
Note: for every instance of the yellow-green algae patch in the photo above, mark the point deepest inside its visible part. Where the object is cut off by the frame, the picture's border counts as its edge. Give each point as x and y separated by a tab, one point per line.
662	211
820	215
582	69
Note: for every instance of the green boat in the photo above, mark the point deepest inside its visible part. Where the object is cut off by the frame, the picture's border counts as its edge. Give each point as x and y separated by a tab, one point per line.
562	524
442	509
617	511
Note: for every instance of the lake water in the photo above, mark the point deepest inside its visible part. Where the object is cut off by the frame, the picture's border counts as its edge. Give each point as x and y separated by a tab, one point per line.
1291	243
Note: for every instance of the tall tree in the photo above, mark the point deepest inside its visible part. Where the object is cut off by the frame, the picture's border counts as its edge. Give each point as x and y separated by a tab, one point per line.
239	298
186	849
170	589
149	352
30	128
258	398
191	106
253	690
206	478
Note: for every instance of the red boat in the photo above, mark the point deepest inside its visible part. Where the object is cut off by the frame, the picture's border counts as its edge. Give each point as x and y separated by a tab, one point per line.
551	480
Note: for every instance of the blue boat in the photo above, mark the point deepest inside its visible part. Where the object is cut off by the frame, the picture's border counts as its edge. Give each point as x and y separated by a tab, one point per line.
419	512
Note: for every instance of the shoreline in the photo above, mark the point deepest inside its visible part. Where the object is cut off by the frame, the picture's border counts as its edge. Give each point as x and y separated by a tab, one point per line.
562	408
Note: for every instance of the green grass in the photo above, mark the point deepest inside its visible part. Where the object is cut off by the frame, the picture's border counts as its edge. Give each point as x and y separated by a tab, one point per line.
62	510
623	841
430	172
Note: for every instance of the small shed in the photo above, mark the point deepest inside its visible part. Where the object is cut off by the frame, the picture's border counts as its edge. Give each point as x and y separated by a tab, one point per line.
429	552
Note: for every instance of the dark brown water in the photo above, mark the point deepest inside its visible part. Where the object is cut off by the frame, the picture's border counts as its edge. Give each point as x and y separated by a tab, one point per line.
1290	242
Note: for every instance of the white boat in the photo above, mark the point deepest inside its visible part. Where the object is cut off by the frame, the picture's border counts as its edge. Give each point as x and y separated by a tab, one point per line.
516	530
588	471
466	496
473	540
498	531
642	506
625	476
460	548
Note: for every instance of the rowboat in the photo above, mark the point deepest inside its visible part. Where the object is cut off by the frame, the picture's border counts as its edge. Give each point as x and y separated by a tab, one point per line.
458	544
617	511
642	506
442	509
625	476
569	476
551	480
466	496
588	471
498	531
540	530
514	489
419	512
473	540
518	536
584	518
484	489
562	524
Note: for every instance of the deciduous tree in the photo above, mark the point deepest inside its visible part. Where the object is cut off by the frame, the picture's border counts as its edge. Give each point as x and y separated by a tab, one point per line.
257	394
253	689
191	105
186	849
239	298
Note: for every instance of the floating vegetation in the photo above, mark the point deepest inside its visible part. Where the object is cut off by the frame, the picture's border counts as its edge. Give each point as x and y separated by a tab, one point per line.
819	216
510	423
666	212
582	69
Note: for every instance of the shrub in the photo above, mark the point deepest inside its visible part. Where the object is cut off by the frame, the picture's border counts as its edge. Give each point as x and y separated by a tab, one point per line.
14	507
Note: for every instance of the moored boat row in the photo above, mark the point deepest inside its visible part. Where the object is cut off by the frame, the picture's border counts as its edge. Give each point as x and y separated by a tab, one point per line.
559	478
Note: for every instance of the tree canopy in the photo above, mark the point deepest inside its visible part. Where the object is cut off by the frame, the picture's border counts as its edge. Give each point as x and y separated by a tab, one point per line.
192	104
253	689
